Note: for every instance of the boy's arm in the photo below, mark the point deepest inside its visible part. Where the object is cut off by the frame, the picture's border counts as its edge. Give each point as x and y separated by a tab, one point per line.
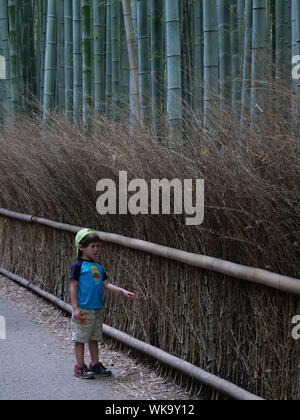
110	287
73	293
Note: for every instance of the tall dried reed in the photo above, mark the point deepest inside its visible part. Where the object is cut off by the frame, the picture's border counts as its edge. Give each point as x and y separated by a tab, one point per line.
239	331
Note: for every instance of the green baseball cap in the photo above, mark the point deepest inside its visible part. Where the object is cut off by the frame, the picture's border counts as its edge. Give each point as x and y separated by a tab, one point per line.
80	236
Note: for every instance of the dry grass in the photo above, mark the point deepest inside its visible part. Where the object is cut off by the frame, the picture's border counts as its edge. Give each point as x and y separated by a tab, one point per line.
238	331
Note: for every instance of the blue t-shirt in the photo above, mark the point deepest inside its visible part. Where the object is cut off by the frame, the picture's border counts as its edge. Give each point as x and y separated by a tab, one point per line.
90	276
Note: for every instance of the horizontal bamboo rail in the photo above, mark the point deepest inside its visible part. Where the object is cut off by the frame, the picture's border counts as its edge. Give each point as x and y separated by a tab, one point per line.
238	271
186	368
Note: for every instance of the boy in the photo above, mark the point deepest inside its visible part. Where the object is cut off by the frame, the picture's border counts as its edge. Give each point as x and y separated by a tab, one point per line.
88	281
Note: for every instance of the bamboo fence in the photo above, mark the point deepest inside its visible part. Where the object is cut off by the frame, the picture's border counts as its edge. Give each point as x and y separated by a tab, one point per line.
238	331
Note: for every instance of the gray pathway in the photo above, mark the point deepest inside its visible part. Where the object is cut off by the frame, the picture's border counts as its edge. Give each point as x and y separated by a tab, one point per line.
33	366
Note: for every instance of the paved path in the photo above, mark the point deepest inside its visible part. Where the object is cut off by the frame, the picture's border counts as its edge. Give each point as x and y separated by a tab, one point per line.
33	366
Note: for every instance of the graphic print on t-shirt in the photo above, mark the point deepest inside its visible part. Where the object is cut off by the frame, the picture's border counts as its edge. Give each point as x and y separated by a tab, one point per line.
95	272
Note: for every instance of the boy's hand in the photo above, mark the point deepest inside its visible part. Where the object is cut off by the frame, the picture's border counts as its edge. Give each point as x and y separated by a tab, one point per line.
129	295
77	314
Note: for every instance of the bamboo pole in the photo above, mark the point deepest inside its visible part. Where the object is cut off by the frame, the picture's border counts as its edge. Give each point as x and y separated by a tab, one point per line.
14	58
211	59
224	49
77	61
279	58
60	75
99	54
174	78
133	61
253	275
163	357
198	57
108	62
246	89
5	45
144	60
115	58
124	68
43	12
235	57
49	99
68	40
156	58
87	62
259	52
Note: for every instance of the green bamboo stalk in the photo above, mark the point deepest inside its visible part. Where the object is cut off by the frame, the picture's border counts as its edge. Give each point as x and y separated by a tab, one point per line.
125	73
37	40
6	84
143	59
295	19
224	49
115	55
86	62
247	66
60	75
44	7
186	51
133	6
198	56
133	62
297	50
20	53
99	54
49	97
211	60
68	58
14	59
296	37
280	51
241	9
173	52
259	53
108	89
156	59
287	33
33	84
77	61
235	57
25	49
297	12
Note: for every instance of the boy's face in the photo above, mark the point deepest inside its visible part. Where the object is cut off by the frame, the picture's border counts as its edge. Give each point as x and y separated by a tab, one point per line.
91	251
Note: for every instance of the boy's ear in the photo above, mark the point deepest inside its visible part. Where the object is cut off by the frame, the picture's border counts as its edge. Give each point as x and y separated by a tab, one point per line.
81	247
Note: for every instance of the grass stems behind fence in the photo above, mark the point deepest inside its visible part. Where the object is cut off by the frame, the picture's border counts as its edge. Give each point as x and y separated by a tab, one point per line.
240	332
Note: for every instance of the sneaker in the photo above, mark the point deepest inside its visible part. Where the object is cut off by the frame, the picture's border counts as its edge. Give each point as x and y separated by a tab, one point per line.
83	372
100	370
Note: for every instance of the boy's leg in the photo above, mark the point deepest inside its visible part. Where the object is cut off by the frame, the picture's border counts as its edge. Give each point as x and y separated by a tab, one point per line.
79	353
97	367
94	352
96	338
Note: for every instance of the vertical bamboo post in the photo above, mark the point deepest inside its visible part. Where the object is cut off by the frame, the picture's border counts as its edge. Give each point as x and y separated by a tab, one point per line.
174	80
87	62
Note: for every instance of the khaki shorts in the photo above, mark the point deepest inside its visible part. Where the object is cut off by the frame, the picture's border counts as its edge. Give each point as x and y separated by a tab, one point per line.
90	329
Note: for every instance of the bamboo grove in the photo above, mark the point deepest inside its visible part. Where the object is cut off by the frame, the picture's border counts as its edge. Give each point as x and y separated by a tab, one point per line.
146	58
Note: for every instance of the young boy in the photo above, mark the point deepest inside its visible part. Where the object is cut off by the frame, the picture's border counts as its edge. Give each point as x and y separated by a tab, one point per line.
88	281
